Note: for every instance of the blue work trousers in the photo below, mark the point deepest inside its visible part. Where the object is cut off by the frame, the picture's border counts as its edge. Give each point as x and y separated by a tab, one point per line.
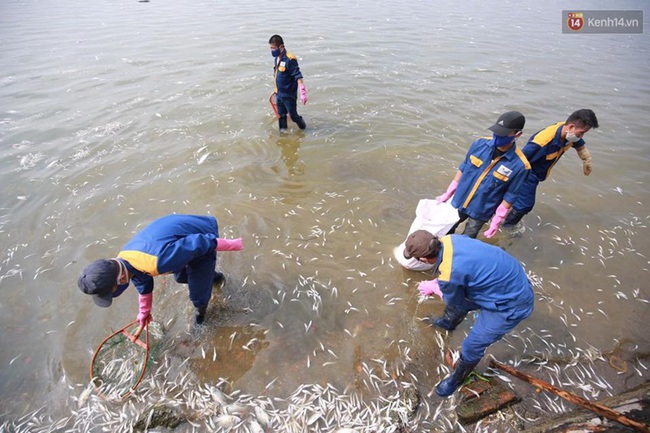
199	276
490	326
287	105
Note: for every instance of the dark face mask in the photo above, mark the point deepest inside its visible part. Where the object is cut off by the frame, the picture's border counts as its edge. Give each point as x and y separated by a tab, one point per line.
120	289
276	52
122	272
500	141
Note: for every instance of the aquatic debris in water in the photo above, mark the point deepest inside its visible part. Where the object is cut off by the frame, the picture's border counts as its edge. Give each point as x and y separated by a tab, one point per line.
311	407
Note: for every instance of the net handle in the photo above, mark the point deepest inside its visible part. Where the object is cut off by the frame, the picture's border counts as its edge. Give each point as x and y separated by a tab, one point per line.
274	105
134	338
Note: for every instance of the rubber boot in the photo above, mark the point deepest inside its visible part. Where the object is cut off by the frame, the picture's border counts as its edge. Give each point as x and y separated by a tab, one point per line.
218	278
450	319
301	123
199	315
449	385
282	122
514	216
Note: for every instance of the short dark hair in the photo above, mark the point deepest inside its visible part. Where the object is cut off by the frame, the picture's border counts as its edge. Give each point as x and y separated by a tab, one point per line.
583	117
276	40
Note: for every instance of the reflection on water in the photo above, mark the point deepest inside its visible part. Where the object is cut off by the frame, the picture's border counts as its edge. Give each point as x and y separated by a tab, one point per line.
101	134
237	348
289	146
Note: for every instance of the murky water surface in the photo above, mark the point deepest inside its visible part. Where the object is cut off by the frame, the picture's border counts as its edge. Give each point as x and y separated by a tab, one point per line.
113	114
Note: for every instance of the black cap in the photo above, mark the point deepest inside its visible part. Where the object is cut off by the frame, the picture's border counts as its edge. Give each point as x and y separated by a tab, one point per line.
508	122
98	279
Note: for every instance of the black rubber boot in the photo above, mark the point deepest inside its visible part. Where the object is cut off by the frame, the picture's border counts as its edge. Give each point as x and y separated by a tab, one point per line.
449	385
450	318
514	216
199	315
301	123
282	122
218	278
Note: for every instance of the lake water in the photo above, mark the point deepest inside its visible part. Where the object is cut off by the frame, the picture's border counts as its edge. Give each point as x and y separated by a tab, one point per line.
113	114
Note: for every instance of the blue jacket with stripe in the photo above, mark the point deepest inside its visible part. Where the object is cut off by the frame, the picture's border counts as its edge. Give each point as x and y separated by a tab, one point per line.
168	245
487	181
287	74
474	274
545	148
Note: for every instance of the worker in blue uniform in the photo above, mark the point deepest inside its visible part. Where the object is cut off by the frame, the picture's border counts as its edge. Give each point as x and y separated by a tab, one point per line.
184	245
472	275
487	181
288	81
544	149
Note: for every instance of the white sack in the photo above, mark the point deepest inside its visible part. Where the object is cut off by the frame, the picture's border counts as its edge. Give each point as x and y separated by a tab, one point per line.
437	219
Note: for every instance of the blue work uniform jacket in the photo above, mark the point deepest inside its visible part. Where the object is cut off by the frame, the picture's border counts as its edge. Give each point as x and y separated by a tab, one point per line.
168	245
545	148
287	74
474	274
486	182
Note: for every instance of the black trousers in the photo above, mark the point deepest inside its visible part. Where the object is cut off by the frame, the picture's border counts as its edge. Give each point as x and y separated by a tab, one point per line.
472	227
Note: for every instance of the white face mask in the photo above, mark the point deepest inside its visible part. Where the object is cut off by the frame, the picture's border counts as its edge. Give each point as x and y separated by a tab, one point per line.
572	138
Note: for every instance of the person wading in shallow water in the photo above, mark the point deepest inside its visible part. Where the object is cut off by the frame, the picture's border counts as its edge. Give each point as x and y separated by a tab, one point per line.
288	81
544	149
489	177
472	275
185	245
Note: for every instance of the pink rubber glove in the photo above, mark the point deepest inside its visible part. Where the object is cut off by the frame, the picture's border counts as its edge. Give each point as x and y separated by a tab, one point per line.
497	219
451	189
144	314
431	287
229	244
303	93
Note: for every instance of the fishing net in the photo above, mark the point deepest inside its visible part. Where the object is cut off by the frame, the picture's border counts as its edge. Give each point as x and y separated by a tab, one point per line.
119	363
